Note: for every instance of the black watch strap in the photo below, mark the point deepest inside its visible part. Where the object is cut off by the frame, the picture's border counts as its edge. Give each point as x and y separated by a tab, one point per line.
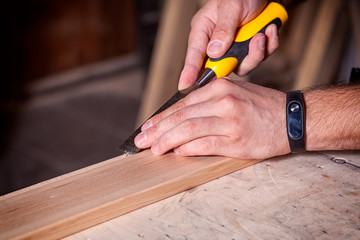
295	121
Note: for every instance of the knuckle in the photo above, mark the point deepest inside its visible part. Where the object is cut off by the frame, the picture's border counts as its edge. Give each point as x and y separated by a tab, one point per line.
197	19
178	115
194	21
209	123
207	146
190	126
157	118
162	144
152	133
216	144
222	30
210	145
185	150
237	122
179	105
228	102
197	126
197	50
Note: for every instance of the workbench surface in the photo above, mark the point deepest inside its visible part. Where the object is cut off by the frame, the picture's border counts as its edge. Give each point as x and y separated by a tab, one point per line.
302	196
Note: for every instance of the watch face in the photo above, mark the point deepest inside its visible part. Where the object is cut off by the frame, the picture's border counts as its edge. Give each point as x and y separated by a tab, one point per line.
295	120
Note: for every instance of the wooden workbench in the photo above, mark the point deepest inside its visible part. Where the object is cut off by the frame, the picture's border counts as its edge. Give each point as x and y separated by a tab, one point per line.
305	196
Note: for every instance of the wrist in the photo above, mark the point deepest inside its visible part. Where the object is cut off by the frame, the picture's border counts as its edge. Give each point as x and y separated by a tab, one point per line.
295	121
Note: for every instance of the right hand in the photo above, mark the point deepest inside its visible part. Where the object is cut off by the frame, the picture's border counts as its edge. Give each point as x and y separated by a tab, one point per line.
212	32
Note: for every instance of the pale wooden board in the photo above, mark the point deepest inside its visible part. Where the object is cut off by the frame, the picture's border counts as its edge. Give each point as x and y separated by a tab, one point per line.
304	196
89	196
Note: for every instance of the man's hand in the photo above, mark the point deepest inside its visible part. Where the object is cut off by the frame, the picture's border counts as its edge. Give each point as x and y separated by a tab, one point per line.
212	32
235	119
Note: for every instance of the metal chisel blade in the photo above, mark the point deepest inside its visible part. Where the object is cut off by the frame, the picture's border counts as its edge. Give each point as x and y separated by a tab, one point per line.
129	147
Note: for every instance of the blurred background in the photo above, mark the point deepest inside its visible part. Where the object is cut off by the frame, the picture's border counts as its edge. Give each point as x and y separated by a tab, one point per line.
79	76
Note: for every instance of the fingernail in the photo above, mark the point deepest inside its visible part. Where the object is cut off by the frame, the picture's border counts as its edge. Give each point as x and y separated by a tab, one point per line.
215	46
147	125
140	139
155	148
261	43
184	80
181	86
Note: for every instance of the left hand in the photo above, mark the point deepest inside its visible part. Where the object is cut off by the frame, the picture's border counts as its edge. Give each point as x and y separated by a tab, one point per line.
234	119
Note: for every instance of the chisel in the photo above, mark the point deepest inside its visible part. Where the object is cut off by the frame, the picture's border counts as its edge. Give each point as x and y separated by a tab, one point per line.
273	13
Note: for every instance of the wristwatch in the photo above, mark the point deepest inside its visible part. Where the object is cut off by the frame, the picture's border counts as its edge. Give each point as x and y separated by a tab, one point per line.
295	121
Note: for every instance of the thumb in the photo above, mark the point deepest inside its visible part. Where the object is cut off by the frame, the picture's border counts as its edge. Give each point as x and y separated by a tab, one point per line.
228	18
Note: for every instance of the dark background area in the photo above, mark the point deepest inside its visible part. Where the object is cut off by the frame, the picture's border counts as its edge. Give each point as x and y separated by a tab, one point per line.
44	37
68	129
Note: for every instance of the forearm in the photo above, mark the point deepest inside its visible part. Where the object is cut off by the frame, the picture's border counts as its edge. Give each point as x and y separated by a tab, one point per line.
333	118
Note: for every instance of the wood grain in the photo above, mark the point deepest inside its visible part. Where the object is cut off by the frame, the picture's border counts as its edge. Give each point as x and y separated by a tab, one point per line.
297	196
89	196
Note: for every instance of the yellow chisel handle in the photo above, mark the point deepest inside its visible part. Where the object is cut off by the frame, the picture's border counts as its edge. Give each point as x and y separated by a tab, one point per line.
273	13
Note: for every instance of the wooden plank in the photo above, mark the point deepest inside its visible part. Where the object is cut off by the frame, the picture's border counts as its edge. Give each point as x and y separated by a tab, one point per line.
297	196
89	196
320	37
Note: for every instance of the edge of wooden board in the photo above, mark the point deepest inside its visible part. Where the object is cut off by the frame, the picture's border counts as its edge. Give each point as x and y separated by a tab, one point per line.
84	198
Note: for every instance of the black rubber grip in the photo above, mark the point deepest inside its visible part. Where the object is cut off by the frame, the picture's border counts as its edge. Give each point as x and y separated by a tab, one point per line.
240	50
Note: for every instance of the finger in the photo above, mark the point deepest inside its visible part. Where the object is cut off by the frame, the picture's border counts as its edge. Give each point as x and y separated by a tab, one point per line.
151	134
201	28
187	131
209	145
272	36
181	104
217	106
195	55
229	14
216	87
255	56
